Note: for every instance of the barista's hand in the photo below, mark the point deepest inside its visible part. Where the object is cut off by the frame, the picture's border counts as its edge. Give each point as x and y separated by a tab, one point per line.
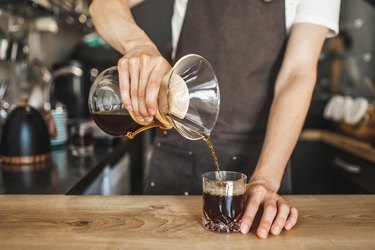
277	213
141	71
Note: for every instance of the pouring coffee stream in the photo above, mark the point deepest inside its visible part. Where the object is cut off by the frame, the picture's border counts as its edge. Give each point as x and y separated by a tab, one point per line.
188	101
214	156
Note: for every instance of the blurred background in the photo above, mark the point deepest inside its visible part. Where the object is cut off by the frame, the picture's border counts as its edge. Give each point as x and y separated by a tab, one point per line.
50	54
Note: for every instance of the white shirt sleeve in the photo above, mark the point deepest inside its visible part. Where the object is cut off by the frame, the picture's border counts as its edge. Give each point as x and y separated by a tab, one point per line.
178	16
321	12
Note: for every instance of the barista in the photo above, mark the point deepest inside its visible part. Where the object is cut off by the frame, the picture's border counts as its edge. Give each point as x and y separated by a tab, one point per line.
265	56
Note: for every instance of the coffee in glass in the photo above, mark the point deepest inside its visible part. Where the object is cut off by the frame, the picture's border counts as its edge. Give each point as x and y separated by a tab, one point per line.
224	200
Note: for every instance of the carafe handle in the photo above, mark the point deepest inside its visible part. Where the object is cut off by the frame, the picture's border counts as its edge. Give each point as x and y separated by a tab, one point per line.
131	135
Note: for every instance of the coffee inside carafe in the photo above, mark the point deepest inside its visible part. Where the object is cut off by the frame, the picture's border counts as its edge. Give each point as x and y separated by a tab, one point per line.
115	122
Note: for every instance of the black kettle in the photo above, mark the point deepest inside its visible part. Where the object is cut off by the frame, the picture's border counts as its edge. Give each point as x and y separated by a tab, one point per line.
25	138
71	88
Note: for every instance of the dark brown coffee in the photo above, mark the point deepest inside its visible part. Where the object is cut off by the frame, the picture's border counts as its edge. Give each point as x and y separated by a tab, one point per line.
213	153
115	122
222	213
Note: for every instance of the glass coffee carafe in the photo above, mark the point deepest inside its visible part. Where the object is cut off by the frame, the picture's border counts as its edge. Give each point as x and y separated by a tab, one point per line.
189	101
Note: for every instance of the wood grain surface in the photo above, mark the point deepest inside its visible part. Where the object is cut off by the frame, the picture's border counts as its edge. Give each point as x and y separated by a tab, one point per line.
173	222
345	143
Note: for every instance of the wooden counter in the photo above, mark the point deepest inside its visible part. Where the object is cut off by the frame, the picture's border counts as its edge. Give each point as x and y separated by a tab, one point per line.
347	144
173	222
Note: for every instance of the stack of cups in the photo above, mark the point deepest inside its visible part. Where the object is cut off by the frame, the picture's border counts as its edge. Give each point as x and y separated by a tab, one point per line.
60	117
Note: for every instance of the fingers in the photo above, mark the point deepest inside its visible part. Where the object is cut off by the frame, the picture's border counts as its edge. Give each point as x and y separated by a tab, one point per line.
277	213
276	216
154	83
145	71
140	79
123	70
269	214
292	220
250	212
163	94
134	78
282	216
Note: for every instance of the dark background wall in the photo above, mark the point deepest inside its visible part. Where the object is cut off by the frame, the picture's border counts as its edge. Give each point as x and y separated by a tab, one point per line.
358	19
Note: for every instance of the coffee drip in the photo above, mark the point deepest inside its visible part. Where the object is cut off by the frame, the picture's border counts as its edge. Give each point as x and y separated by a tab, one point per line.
214	156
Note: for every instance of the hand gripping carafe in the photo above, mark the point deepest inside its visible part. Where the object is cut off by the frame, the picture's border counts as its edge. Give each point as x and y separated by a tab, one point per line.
189	101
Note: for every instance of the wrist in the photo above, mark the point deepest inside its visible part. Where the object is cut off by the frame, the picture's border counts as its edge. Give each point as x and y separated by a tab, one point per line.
268	181
145	45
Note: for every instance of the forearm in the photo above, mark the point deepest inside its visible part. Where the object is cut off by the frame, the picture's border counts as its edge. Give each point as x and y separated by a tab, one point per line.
114	22
287	115
293	90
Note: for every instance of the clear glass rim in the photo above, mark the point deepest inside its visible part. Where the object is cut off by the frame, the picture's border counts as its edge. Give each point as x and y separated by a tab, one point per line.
239	176
192	135
95	84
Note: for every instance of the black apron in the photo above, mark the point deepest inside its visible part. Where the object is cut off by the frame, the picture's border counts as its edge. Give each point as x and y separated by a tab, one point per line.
244	42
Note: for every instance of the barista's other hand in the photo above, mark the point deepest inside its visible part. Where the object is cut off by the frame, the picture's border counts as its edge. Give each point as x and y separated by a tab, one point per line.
140	72
277	213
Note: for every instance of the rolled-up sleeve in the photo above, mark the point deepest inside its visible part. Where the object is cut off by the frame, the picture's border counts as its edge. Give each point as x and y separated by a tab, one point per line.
321	12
